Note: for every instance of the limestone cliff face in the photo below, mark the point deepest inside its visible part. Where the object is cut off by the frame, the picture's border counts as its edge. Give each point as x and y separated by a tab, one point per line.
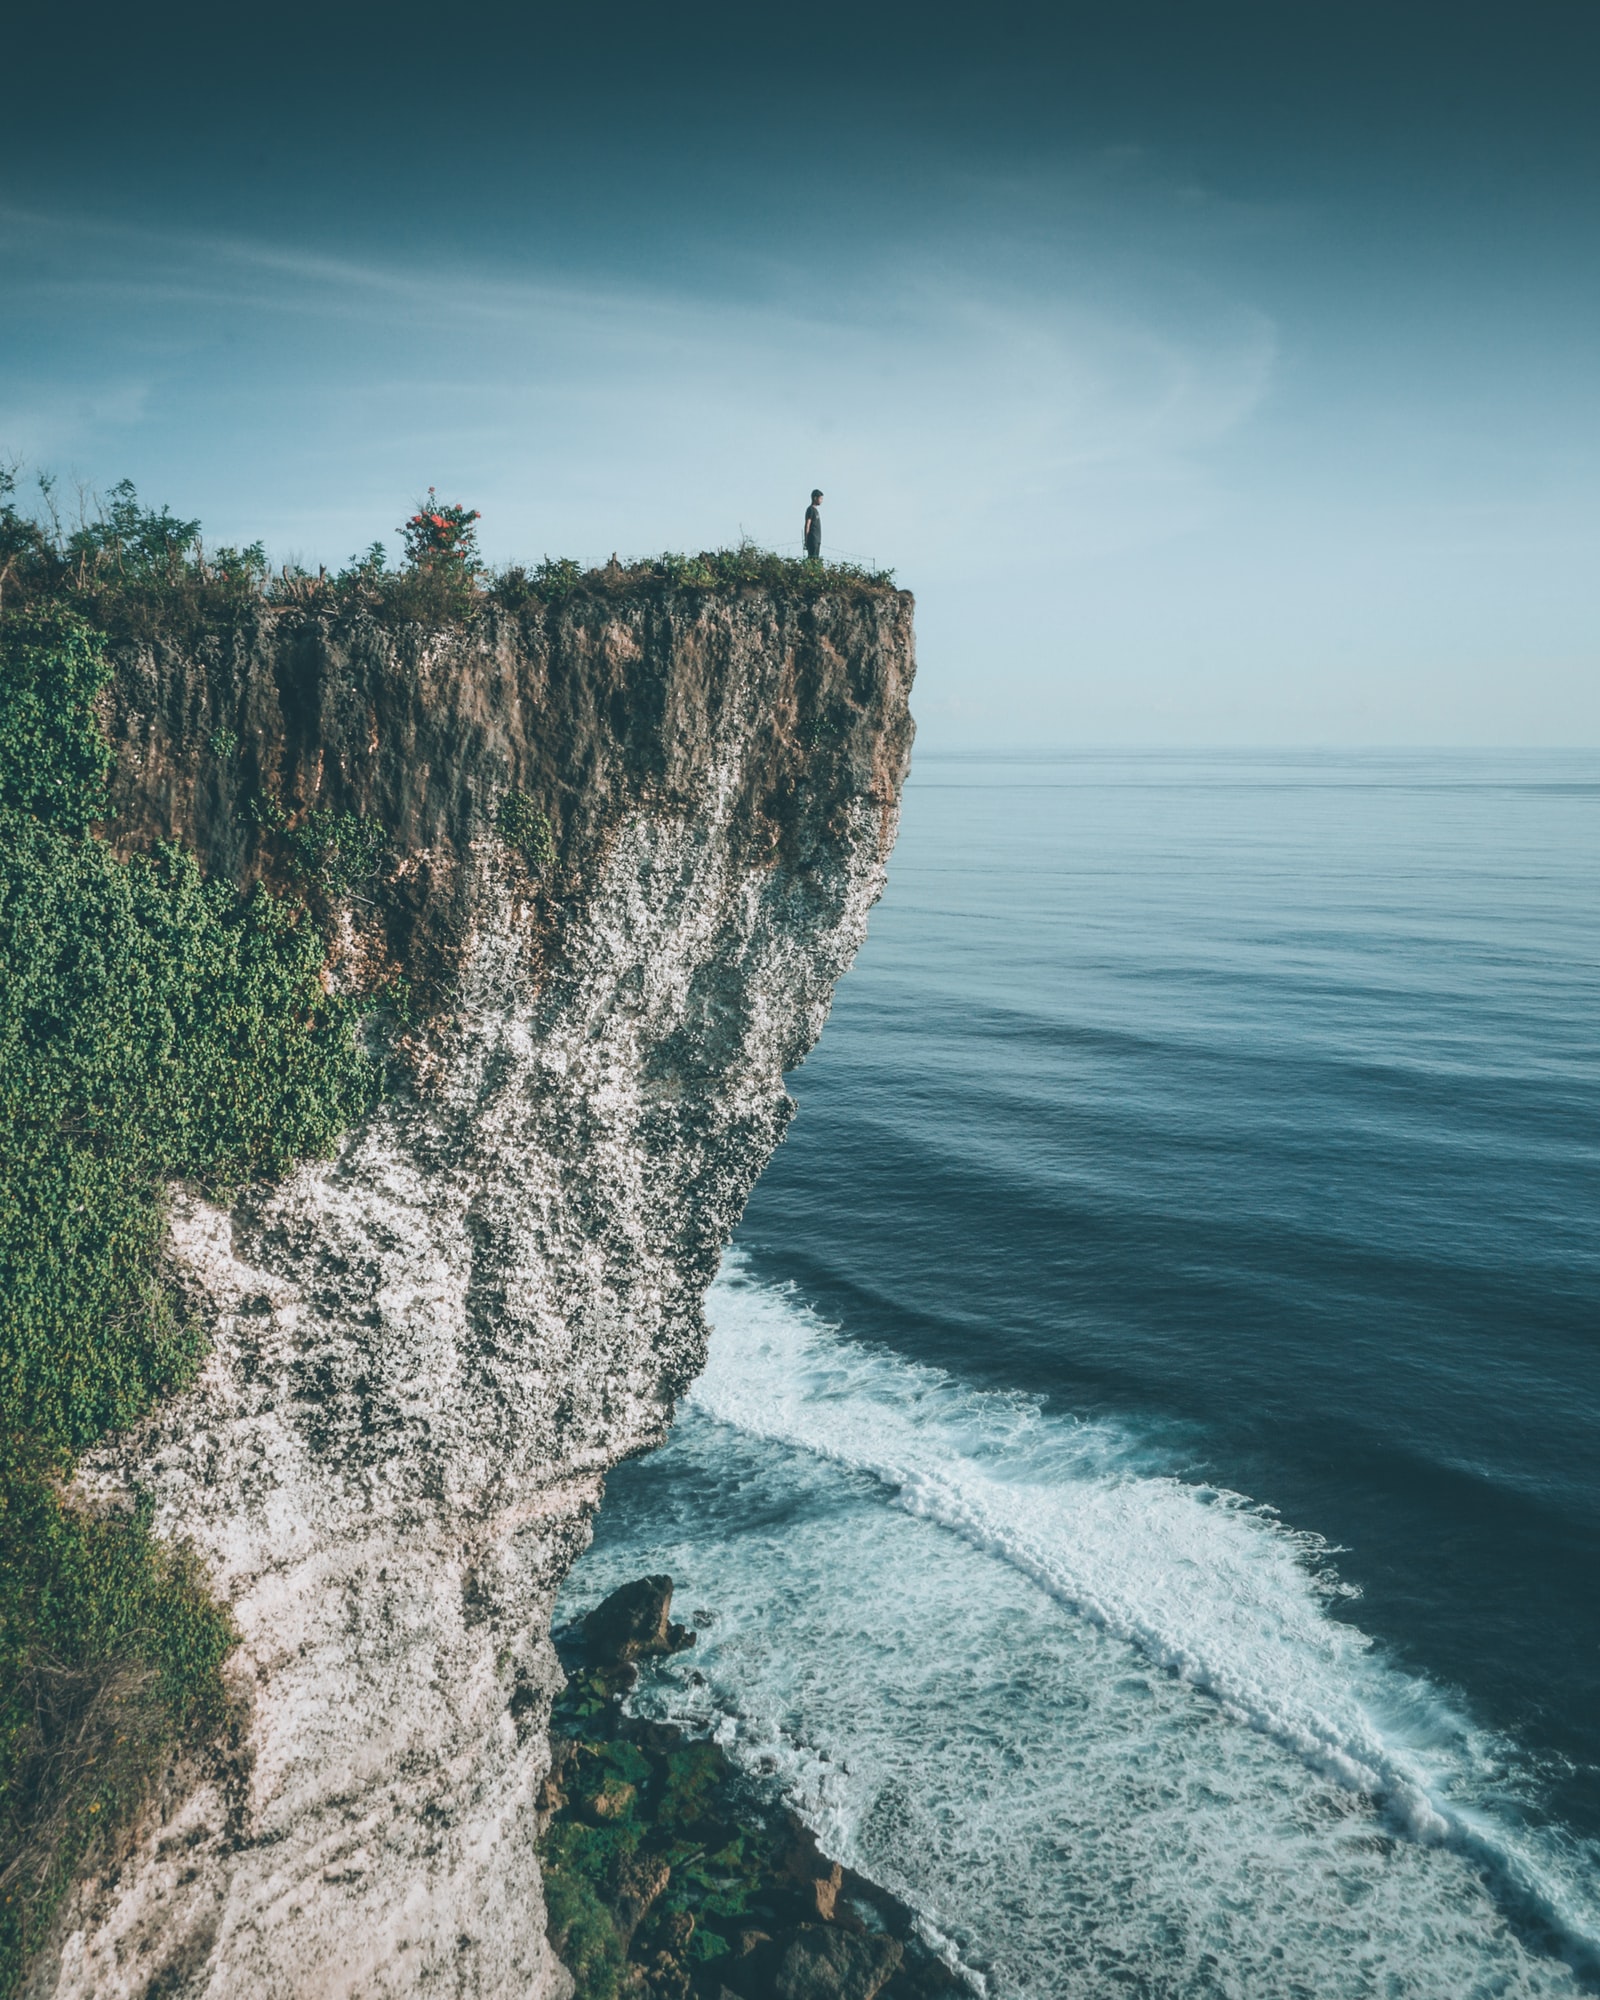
427	1352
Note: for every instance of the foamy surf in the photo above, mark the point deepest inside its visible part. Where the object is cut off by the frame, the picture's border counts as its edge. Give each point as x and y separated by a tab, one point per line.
1046	1691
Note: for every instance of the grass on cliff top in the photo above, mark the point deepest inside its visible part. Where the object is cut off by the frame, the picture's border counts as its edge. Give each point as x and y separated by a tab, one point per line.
137	572
153	1026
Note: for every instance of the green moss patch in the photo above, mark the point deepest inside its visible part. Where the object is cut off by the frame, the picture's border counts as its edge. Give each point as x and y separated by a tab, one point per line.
522	825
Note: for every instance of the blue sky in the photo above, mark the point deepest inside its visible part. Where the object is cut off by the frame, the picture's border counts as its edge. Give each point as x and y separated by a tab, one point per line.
1219	378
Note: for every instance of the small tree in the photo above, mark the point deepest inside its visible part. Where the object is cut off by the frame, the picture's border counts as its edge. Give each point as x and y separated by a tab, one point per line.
442	538
135	541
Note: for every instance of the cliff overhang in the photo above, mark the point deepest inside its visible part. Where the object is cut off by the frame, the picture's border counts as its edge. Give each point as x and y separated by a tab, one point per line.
617	850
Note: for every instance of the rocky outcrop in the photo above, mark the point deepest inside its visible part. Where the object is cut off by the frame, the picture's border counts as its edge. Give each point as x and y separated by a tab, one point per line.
426	1352
634	1622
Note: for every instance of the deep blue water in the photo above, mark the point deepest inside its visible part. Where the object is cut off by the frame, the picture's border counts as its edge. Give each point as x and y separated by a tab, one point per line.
1145	1497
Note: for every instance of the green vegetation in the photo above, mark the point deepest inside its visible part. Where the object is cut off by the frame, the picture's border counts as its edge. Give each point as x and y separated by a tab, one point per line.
125	568
153	1026
335	850
744	567
661	1823
668	1876
578	1866
53	761
110	1652
522	825
330	851
135	572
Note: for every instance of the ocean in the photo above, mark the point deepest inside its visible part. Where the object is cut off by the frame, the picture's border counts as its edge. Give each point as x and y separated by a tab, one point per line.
1143	1504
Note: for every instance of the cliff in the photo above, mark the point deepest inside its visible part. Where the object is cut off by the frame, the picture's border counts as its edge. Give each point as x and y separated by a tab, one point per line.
425	1353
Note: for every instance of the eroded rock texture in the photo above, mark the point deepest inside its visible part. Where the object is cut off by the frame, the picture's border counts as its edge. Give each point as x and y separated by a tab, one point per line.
428	1351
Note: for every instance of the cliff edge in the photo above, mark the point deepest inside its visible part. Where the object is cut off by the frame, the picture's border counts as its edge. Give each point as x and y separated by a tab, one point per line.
629	843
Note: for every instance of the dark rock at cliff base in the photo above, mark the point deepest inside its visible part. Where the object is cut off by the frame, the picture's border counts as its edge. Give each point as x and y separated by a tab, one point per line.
823	1963
634	1621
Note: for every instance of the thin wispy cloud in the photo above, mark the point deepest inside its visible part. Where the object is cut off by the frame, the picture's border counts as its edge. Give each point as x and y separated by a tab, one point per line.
625	394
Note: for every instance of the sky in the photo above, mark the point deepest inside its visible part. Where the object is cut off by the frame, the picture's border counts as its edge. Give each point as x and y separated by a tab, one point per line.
1213	374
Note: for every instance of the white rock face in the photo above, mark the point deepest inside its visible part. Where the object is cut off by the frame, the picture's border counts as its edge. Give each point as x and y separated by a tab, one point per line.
426	1354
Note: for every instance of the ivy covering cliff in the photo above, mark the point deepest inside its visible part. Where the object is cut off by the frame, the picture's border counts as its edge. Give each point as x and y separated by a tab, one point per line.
153	1026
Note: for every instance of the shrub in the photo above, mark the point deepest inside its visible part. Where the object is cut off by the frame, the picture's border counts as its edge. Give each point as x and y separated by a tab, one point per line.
442	538
522	825
336	850
134	541
126	568
550	582
24	544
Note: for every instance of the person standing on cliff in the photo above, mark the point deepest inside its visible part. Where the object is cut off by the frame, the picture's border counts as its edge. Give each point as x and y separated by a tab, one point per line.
814	526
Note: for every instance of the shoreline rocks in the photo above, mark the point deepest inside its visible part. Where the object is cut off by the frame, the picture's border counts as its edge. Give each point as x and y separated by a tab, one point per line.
634	1621
668	1877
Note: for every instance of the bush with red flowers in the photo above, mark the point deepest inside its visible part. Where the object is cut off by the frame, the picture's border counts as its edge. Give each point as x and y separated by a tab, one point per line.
443	538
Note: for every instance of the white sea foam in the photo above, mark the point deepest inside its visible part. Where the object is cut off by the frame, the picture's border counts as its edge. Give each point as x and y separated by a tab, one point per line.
1047	1692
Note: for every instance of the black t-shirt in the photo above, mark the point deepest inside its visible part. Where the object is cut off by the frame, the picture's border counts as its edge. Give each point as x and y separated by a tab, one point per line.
813	526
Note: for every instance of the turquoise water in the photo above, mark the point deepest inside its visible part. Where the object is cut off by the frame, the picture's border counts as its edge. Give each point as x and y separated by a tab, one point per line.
1144	1501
